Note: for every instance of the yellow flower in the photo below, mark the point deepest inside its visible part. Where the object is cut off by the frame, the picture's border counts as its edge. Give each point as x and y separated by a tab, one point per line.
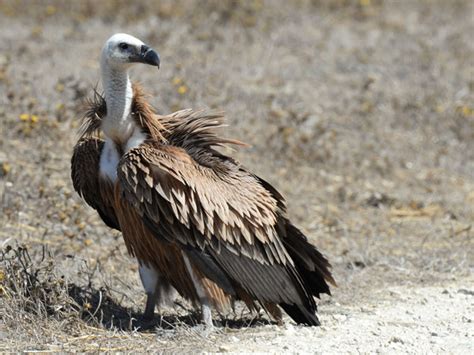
59	87
177	80
183	89
467	111
24	117
5	168
34	119
37	31
50	10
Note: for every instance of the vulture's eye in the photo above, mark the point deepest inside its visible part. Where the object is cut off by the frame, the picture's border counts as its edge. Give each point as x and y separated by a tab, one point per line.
123	46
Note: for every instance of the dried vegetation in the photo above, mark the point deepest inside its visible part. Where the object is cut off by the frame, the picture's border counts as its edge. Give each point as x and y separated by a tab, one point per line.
359	111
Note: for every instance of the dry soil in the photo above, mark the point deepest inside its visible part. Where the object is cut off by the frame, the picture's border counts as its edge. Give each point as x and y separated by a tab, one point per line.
360	112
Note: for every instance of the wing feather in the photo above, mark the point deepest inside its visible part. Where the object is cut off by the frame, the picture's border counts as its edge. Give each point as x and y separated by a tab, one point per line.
85	178
236	209
219	221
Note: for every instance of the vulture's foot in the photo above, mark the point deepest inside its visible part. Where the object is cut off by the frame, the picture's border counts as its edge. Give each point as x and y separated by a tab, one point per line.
147	319
145	323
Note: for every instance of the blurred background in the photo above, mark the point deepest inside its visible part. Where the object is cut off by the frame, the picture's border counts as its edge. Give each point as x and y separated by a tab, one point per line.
360	112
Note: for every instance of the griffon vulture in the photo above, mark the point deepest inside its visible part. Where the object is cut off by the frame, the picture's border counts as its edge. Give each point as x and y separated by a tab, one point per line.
196	220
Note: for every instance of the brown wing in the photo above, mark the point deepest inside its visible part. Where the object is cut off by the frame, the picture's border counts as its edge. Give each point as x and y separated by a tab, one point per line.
85	177
222	217
312	266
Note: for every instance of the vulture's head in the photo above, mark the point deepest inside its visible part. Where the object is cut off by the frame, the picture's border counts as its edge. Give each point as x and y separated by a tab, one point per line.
122	50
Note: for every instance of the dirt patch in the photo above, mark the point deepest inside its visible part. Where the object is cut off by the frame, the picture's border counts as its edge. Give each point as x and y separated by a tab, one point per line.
359	112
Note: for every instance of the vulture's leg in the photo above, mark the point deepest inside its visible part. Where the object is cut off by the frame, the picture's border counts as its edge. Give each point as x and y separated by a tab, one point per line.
203	299
149	313
150	281
206	312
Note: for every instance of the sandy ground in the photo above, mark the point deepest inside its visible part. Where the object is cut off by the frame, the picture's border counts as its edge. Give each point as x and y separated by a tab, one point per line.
360	112
422	320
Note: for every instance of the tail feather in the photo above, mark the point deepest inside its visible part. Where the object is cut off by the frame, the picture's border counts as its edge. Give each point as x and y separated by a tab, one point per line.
312	266
301	315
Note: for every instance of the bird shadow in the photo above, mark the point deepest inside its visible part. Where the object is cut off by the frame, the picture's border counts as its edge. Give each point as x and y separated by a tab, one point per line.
37	286
99	308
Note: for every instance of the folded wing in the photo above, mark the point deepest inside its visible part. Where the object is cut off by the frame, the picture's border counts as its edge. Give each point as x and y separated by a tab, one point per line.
85	178
223	218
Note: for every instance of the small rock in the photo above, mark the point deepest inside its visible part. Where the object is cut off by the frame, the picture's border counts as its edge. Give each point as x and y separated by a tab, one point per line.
466	292
378	199
224	348
396	340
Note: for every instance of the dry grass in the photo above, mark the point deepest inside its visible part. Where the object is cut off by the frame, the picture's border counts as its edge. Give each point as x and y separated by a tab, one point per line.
360	112
41	306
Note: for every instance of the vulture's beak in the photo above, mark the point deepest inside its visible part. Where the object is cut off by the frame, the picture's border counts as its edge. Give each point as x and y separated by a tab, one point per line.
148	56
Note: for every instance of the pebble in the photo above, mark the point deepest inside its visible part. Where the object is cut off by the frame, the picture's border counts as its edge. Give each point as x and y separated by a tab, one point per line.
466	292
396	340
224	348
395	293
